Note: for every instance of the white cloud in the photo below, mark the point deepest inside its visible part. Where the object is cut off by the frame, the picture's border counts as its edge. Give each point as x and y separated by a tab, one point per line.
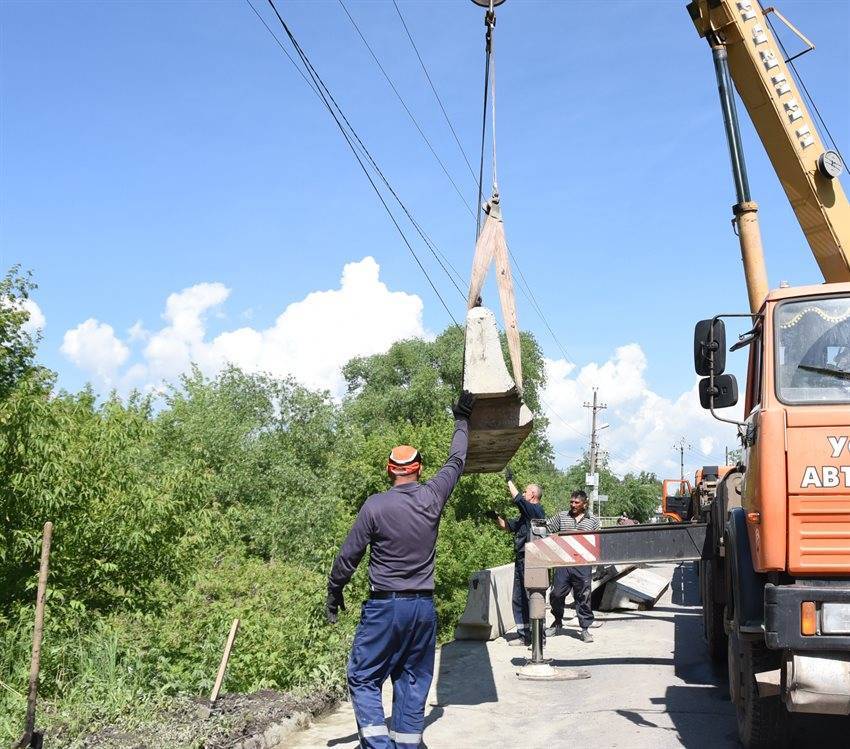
37	320
643	424
310	340
137	332
94	347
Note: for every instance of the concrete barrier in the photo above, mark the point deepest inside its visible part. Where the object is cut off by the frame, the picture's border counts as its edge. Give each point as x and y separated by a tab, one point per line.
488	612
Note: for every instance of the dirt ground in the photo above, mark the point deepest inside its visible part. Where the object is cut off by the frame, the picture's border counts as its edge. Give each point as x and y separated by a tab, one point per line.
190	724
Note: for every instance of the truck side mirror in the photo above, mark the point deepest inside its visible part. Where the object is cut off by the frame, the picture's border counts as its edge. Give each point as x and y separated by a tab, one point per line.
725	391
707	340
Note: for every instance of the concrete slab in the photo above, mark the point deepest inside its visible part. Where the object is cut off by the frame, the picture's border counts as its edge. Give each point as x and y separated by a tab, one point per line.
651	685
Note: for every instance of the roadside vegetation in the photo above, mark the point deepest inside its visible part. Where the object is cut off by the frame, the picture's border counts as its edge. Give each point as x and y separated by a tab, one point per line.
227	496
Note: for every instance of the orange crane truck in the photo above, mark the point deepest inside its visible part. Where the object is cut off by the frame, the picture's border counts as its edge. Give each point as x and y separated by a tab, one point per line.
773	542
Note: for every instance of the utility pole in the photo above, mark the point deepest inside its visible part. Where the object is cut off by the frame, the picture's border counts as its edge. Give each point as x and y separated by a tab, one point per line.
681	445
727	456
593	482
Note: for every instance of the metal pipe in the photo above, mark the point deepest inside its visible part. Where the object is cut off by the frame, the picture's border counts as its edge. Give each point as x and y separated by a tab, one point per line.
537	641
730	121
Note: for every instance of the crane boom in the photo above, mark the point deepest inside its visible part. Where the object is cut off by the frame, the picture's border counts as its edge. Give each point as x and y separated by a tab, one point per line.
784	125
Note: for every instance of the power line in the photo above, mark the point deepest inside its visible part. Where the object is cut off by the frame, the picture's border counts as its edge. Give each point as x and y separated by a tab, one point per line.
439	256
526	289
327	98
406	108
434	89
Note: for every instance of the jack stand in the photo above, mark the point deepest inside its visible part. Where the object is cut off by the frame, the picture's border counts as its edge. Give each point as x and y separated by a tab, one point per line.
540	668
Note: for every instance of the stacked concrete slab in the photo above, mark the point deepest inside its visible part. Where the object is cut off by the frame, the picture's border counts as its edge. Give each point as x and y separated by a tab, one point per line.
638	589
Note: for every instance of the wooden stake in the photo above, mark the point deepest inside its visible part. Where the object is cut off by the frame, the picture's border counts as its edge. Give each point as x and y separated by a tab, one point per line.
225	657
38	630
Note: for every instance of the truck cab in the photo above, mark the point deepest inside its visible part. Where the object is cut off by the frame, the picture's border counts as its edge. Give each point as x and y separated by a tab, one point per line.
787	547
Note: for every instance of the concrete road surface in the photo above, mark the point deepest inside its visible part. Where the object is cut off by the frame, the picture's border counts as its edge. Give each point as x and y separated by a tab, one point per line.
651	685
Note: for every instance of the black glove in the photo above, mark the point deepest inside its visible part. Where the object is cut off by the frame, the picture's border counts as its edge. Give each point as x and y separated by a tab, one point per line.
463	408
509	474
491	514
333	604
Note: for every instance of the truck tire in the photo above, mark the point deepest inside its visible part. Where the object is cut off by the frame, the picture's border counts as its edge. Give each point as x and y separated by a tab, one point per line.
763	722
712	613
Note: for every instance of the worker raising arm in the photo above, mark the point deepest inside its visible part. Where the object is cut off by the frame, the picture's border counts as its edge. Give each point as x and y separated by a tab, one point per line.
528	503
398	624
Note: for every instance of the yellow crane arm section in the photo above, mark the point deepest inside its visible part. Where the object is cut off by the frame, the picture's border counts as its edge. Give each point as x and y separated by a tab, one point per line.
783	122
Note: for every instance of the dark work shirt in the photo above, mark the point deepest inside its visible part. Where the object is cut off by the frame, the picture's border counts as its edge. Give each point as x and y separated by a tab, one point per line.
400	526
520	525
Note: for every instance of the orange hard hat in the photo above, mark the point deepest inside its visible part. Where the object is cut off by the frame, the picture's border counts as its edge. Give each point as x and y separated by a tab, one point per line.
403	461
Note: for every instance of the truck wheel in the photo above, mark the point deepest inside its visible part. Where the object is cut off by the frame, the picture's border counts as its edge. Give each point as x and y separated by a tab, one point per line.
712	614
763	722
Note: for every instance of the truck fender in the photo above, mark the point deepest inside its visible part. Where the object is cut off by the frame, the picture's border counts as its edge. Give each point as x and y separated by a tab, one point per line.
747	585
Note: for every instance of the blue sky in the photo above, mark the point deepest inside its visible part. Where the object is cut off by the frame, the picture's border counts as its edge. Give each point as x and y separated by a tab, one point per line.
153	147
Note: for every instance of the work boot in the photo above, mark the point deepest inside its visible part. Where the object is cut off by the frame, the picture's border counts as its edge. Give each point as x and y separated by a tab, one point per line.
554	629
586	636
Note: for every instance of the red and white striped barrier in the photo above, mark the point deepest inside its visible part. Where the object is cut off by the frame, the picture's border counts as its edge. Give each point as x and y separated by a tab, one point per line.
569	550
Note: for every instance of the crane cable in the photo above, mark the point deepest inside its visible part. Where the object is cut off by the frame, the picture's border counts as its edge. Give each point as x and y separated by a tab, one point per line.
490	23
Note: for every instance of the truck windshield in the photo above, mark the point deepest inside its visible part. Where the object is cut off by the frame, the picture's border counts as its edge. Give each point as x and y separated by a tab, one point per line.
813	351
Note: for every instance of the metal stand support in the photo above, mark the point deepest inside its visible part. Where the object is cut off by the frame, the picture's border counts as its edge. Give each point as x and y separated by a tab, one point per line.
539	668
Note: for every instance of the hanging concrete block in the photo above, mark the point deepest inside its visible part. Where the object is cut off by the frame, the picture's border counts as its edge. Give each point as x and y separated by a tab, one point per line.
500	421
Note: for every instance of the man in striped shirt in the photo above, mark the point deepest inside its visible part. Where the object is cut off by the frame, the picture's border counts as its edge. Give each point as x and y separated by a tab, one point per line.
577	579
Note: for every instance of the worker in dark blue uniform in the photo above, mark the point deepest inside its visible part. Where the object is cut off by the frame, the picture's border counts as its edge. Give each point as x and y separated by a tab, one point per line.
528	504
397	634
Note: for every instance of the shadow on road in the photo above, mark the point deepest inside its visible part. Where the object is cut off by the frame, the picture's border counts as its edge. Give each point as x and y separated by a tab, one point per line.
465	676
705	692
619	660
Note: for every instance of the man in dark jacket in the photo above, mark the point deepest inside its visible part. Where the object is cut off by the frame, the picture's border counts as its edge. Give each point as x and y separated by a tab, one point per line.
528	504
397	633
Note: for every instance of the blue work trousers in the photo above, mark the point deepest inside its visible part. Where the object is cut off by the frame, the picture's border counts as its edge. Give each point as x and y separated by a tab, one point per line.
396	638
519	600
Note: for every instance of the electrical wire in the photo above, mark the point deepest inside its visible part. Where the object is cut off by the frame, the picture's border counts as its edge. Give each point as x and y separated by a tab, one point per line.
434	89
439	256
327	98
525	287
406	108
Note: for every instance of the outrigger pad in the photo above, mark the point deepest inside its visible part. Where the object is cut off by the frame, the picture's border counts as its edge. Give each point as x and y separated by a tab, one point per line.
500	421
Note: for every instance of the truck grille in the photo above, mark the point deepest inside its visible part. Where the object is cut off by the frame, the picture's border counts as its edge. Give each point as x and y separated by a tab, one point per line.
818	534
